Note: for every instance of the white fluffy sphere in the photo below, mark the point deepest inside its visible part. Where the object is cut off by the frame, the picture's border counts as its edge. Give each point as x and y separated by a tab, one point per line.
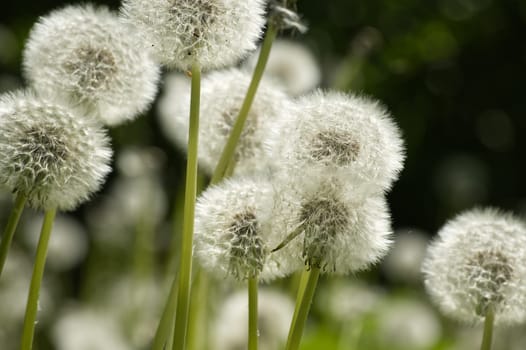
215	33
476	262
49	154
338	232
91	59
347	135
231	223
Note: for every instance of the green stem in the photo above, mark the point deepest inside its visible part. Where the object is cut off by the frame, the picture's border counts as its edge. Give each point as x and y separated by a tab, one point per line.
253	313
167	319
185	268
302	284
304	301
235	134
488	329
197	323
36	281
10	229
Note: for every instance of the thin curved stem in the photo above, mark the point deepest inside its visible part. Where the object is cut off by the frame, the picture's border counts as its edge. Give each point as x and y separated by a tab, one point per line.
253	313
10	229
302	306
235	134
185	268
488	329
36	281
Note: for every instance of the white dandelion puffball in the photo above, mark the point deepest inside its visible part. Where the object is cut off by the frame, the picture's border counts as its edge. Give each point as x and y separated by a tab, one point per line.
213	33
477	262
338	233
275	312
336	133
222	95
47	153
230	223
91	59
292	65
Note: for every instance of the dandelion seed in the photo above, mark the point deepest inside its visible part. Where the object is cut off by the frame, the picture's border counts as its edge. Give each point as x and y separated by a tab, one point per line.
215	33
89	58
48	153
477	262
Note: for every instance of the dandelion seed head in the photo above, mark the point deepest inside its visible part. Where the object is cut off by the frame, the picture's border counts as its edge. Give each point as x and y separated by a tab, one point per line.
49	154
215	33
338	233
230	224
347	135
477	261
89	58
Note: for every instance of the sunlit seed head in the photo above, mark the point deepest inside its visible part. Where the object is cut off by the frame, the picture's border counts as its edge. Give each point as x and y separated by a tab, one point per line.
222	95
87	57
214	33
48	153
344	135
337	231
477	262
231	224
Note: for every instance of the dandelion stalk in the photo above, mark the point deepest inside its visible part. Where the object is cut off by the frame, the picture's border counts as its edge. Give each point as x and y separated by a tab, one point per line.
185	268
36	281
10	229
488	329
167	319
253	313
198	307
302	306
235	134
